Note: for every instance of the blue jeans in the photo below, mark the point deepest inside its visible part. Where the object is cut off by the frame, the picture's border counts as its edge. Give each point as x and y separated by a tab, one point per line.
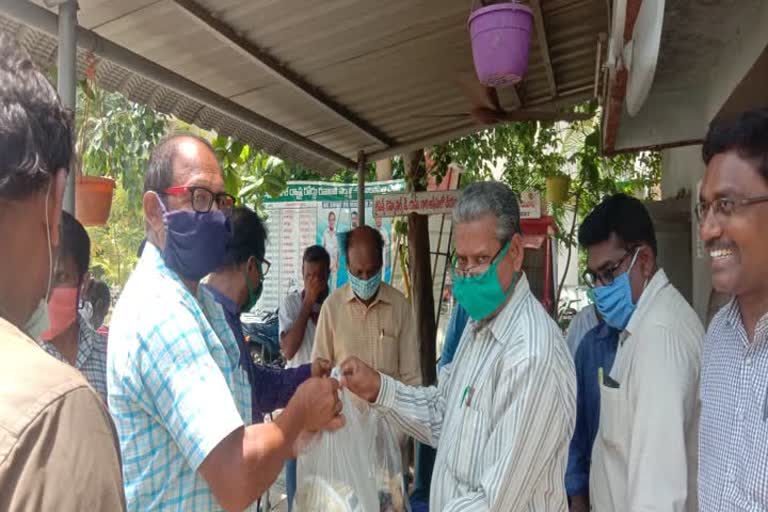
290	481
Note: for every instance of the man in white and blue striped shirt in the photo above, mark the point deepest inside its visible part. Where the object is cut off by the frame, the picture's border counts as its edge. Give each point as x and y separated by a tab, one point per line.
732	213
503	413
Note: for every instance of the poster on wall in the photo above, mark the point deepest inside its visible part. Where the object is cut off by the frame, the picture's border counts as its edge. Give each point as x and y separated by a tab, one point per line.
312	212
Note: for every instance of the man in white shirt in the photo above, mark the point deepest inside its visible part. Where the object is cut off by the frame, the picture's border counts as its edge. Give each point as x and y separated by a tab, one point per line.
645	454
331	245
301	309
298	322
503	413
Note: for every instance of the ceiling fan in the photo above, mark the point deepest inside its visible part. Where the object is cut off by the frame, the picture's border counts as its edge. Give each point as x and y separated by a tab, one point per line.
486	108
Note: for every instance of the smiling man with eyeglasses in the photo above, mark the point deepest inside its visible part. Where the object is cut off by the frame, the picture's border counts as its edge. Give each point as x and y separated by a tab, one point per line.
733	223
644	456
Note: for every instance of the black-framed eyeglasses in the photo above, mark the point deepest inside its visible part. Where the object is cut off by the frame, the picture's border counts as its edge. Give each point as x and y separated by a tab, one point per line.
606	276
202	199
461	269
724	207
265	266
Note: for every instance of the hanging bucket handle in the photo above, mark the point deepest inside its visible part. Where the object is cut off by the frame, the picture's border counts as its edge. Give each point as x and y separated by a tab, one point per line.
478	4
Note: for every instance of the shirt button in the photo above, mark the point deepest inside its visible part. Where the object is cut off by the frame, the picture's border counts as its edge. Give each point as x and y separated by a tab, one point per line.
748	361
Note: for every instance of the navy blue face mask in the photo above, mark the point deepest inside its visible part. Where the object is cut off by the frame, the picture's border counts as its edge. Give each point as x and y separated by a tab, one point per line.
195	243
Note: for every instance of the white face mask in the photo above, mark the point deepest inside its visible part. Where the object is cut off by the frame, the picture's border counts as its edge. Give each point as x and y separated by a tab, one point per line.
39	322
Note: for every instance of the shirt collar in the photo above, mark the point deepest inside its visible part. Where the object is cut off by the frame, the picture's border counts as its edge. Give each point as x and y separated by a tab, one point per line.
228	304
87	339
382	295
657	283
734	320
499	324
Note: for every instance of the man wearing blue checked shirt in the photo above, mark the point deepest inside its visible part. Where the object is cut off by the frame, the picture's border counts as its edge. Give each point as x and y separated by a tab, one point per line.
732	213
179	396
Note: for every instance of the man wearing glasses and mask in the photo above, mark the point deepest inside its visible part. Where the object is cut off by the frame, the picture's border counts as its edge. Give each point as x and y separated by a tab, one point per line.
503	412
179	397
733	223
645	454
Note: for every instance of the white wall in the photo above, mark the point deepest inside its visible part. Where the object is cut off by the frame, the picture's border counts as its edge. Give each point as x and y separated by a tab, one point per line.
683	168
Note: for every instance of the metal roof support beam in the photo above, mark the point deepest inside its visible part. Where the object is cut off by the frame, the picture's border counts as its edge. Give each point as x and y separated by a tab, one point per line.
39	18
285	75
361	165
541	32
67	77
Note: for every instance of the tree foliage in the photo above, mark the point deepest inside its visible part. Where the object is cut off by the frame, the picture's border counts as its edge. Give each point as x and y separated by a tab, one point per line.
114	246
115	136
524	154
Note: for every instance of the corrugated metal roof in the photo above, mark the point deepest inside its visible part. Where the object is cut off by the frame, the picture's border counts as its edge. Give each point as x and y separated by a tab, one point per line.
385	61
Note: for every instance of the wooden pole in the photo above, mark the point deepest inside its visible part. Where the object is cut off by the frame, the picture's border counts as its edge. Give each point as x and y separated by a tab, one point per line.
423	300
361	189
384	170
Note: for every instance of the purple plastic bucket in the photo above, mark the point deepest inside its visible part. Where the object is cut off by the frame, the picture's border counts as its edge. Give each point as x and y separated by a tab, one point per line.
501	36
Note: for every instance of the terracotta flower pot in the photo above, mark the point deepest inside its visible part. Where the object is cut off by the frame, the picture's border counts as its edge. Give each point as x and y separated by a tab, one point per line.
557	189
93	199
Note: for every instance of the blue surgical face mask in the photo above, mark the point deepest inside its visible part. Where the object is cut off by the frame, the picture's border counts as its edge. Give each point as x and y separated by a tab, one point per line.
365	289
614	301
196	243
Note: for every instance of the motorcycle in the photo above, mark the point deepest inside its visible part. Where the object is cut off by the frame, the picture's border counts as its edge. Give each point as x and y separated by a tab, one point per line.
262	334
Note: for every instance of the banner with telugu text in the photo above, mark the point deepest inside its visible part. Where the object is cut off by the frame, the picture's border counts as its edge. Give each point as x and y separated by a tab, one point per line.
309	213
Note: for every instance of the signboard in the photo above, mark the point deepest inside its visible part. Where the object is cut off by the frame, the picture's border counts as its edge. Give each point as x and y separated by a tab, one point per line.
530	205
315	213
425	203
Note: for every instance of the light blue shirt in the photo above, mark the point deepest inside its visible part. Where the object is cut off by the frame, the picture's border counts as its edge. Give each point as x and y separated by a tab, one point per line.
176	389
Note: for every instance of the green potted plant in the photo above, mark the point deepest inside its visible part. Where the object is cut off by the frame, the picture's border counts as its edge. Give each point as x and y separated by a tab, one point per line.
114	140
556	182
93	193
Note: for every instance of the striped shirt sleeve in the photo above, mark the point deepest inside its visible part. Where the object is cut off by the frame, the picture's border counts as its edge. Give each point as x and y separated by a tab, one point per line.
417	411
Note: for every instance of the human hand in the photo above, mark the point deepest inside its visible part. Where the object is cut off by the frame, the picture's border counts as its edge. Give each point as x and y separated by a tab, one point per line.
318	401
312	291
321	367
579	504
360	379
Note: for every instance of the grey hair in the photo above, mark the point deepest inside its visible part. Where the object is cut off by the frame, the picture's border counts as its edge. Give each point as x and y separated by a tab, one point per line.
490	198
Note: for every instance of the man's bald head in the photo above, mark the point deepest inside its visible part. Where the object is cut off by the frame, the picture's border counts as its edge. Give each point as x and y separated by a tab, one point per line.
160	174
364	249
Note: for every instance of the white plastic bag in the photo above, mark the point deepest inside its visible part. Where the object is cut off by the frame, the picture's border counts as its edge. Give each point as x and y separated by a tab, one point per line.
388	464
335	472
355	469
